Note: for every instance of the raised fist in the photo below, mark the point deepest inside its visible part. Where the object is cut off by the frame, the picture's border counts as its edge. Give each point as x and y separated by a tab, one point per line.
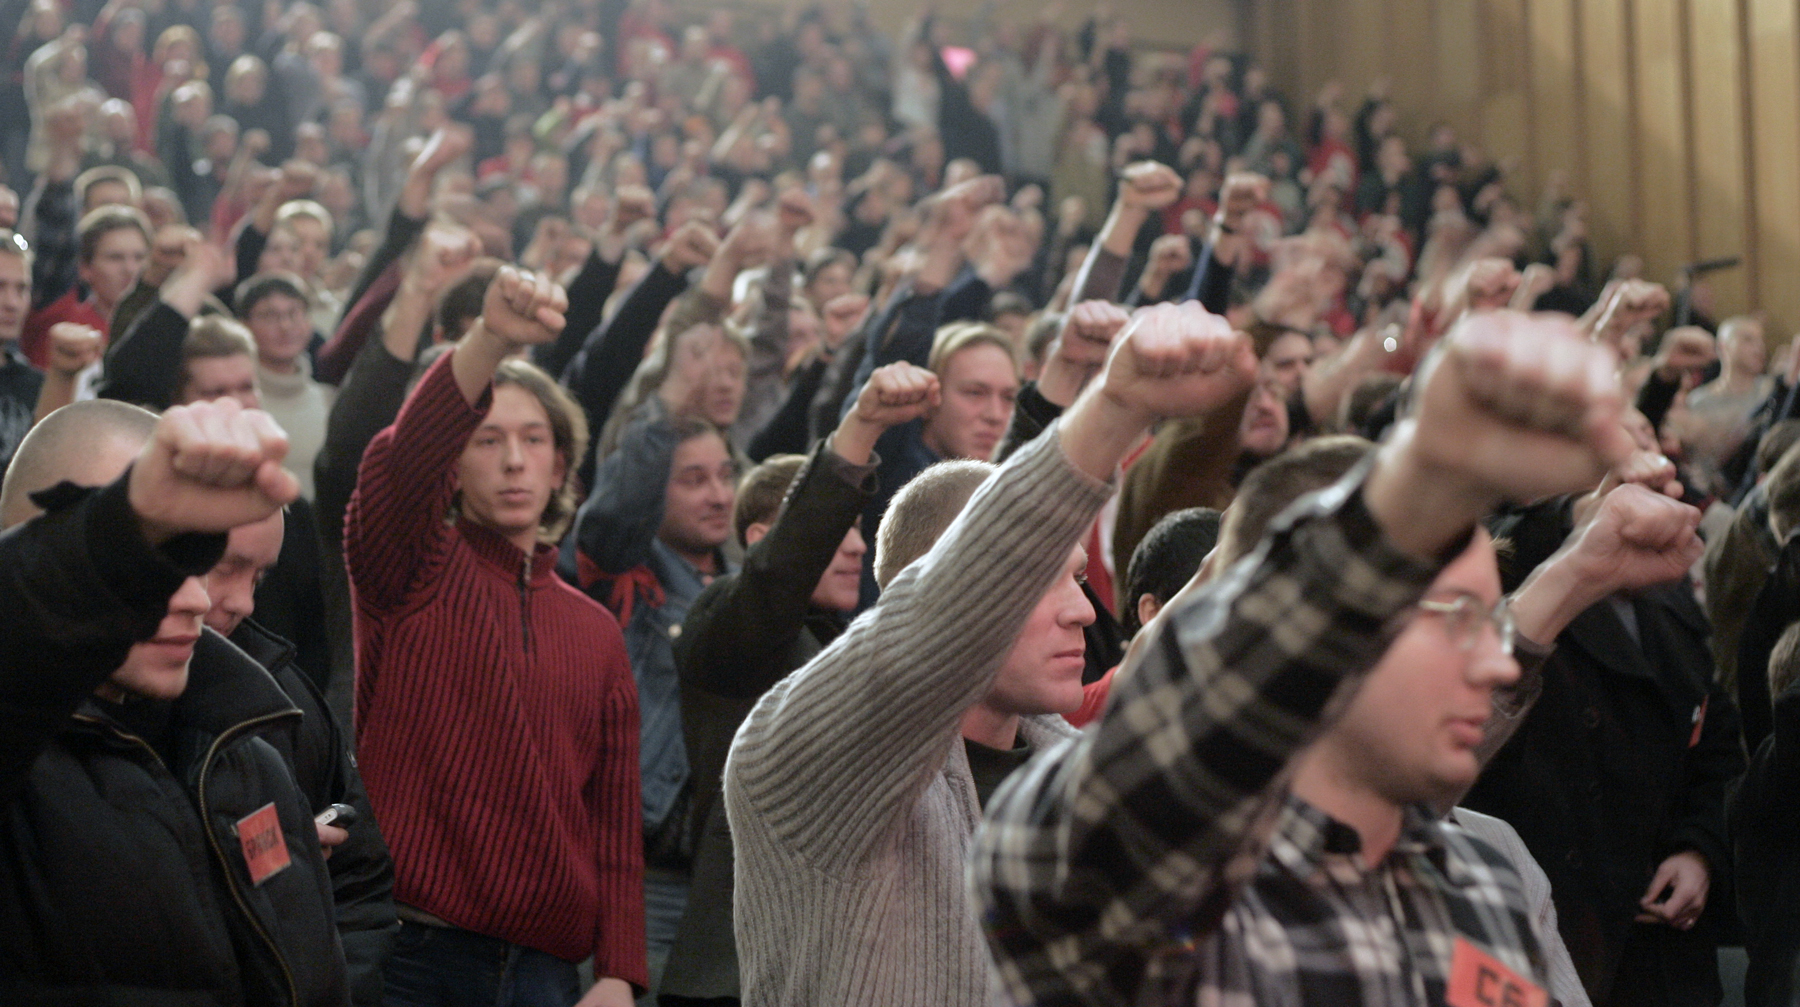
1088	332
1519	407
693	244
1148	186
896	394
210	467
1177	360
74	348
1631	303
523	308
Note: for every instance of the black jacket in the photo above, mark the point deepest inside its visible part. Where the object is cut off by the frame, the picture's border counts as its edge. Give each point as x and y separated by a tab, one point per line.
123	880
362	872
1765	837
747	631
1623	761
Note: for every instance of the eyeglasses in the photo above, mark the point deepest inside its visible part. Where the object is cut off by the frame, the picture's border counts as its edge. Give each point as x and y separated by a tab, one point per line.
1465	616
278	317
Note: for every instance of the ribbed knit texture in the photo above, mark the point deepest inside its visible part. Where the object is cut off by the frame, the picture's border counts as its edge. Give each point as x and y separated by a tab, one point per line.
848	790
503	768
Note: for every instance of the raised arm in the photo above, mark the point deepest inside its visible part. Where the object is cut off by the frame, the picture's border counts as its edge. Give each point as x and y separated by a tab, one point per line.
85	582
1096	856
904	674
739	648
394	532
143	365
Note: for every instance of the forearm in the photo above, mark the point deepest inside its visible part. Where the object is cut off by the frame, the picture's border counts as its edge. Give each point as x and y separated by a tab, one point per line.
740	651
1052	877
82	584
587	305
902	678
405	484
604	366
143	366
402	231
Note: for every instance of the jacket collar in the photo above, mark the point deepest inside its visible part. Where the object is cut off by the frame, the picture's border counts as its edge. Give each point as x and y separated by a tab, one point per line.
263	647
225	688
493	549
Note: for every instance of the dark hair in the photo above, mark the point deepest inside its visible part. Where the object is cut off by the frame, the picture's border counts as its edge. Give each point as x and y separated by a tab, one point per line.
253	291
760	494
1275	484
1167	558
103	221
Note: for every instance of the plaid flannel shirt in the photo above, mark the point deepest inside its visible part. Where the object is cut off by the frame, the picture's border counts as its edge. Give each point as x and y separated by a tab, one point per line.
1157	860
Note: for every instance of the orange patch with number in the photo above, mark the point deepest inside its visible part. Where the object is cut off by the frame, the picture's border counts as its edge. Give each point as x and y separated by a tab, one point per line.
265	848
1478	979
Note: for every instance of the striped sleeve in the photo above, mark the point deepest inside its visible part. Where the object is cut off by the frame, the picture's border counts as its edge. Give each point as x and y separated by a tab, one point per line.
838	751
394	532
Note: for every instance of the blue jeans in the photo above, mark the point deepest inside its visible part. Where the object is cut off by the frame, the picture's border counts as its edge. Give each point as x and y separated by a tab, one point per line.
446	967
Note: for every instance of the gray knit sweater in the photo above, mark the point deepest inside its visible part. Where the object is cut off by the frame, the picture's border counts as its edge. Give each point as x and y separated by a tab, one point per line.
848	790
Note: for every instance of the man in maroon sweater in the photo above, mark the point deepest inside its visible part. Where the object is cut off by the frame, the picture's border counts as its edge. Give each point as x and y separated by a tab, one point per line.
496	712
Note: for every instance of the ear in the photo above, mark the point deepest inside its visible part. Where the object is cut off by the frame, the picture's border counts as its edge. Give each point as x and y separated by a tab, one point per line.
755	532
1147	607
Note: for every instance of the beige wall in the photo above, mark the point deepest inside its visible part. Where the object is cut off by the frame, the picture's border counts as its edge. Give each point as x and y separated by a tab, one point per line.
1161	23
1678	120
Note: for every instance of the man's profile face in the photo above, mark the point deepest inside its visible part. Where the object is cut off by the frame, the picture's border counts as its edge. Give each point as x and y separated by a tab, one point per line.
1042	673
1411	731
231	584
15	296
840	586
979	386
702	488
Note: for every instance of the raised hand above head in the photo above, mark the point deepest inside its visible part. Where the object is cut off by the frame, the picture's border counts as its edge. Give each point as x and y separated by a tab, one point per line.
210	467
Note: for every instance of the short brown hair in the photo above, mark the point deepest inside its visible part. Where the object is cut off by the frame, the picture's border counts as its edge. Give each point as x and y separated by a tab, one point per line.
922	511
761	493
1275	484
460	303
211	336
958	336
103	221
108	173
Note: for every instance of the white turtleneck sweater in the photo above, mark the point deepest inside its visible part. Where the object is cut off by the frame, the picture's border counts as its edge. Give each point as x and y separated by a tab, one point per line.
301	405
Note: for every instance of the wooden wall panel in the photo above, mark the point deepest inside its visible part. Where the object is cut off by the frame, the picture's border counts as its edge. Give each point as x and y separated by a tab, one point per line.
1609	183
1679	120
1505	126
1716	142
1664	203
1555	105
1775	159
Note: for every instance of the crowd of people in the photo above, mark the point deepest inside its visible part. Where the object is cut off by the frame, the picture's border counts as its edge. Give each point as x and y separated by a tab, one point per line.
545	504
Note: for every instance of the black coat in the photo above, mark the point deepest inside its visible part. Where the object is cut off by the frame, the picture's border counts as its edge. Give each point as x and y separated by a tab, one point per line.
123	880
747	631
362	872
1765	837
1623	761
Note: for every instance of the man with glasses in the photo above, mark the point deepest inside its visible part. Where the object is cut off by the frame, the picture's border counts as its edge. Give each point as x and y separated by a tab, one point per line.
1252	820
275	307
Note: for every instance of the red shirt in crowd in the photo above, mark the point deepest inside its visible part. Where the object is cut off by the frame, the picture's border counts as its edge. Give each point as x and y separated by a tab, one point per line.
496	714
34	339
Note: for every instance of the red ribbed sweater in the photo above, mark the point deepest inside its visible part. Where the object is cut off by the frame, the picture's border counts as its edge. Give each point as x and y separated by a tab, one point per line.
496	715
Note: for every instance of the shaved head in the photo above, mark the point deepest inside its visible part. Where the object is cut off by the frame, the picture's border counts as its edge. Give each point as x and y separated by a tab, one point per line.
86	443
